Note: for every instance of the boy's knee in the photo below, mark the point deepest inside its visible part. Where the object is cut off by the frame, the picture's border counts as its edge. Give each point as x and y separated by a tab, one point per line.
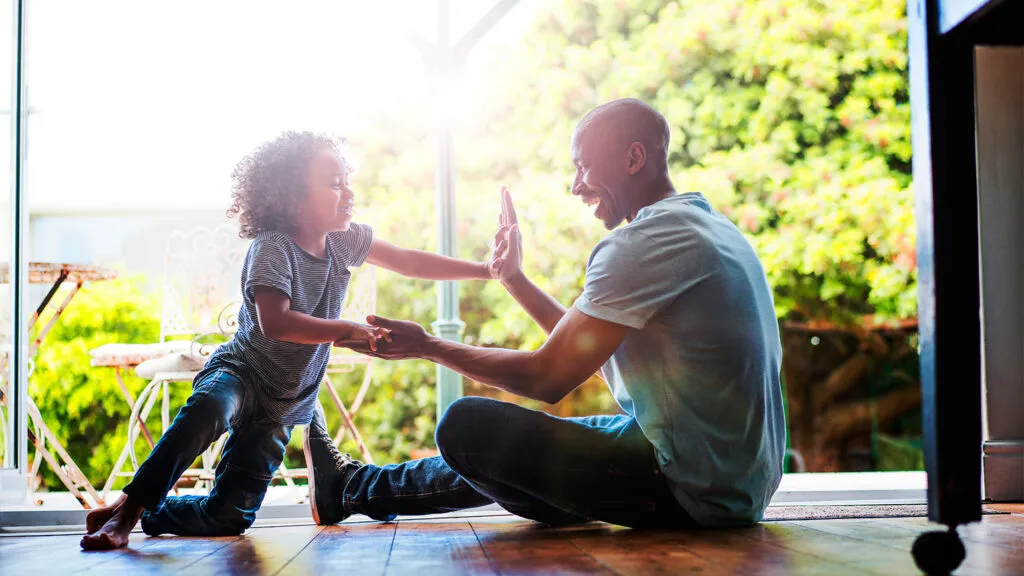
231	521
213	410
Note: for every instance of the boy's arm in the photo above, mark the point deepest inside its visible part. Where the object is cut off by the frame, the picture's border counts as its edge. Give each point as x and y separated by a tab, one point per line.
425	265
279	322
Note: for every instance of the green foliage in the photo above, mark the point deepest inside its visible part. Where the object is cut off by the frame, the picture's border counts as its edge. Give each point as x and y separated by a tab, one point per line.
83	406
899	454
791	116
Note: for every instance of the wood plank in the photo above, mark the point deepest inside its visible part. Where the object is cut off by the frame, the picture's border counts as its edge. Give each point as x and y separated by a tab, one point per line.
626	551
1006	531
989	551
753	551
510	545
258	551
59	554
1012	508
849	553
995	530
167	555
992	548
346	548
437	547
517	546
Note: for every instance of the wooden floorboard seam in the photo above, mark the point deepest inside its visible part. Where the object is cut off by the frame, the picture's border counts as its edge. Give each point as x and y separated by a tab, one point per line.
387	562
212	552
797	551
319	532
607	566
490	560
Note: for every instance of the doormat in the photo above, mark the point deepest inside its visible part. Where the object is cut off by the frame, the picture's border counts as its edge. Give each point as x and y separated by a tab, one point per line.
826	512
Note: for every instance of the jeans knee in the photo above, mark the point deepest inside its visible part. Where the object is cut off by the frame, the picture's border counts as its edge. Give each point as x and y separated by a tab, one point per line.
232	521
463	427
212	411
457	422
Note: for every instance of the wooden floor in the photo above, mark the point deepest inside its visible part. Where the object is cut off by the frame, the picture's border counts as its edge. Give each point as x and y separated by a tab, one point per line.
502	544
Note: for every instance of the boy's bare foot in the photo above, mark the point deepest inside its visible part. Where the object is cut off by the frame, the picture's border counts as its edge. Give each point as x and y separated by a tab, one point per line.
115	531
95	519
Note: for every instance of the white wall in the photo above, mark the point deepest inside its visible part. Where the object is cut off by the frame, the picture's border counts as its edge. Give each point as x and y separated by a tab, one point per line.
1000	116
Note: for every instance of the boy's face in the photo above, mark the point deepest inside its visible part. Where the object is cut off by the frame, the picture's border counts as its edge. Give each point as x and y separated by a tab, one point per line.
330	203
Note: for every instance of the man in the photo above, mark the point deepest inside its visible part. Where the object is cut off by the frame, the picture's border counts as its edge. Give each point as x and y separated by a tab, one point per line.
676	312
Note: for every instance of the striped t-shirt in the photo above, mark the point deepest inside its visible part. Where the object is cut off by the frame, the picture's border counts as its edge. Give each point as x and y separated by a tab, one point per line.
286	376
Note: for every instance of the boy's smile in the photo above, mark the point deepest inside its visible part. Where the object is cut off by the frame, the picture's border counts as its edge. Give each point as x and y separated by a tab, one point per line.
330	205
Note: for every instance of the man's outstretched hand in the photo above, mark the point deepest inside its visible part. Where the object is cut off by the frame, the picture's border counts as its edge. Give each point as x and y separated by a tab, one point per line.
408	340
506	260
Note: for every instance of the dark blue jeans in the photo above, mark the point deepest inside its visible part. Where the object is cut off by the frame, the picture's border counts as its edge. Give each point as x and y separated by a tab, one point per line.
252	453
554	470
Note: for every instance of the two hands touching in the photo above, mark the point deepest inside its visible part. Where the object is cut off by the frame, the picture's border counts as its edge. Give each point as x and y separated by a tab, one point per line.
399	339
506	261
366	335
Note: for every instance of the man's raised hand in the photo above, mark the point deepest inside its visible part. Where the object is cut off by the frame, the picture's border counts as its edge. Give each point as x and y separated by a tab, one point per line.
506	260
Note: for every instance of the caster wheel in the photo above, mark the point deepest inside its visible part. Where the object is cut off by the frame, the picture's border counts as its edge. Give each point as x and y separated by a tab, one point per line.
938	552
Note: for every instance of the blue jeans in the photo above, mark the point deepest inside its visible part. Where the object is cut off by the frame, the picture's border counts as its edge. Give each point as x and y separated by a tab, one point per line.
219	402
553	470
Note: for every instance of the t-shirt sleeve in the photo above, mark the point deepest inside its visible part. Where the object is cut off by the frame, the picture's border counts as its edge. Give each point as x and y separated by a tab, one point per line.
355	244
268	266
633	275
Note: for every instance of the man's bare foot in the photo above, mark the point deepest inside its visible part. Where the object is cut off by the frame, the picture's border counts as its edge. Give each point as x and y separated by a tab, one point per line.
95	519
115	531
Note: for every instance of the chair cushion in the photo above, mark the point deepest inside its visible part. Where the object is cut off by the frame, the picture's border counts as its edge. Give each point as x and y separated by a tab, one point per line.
176	362
133	354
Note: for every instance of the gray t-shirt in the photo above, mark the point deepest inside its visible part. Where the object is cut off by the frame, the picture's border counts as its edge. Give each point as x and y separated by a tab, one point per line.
286	376
699	367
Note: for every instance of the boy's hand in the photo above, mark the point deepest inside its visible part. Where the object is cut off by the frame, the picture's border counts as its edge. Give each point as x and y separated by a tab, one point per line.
506	260
366	336
409	340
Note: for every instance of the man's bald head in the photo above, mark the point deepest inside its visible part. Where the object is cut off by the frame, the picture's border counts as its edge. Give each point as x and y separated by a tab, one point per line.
619	123
620	151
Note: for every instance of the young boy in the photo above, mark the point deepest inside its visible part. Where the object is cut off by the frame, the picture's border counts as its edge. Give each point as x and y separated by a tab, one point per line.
293	199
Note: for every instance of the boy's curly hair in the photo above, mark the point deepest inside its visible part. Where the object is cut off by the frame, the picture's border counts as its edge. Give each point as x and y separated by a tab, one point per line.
269	183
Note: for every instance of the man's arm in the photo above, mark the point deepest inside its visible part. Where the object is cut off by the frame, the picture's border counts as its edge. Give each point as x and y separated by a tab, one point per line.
577	347
544	309
425	265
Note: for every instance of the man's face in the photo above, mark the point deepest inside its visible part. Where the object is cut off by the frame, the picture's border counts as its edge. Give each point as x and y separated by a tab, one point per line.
600	179
330	202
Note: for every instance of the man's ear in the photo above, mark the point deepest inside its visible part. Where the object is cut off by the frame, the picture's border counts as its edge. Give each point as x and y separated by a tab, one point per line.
637	158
